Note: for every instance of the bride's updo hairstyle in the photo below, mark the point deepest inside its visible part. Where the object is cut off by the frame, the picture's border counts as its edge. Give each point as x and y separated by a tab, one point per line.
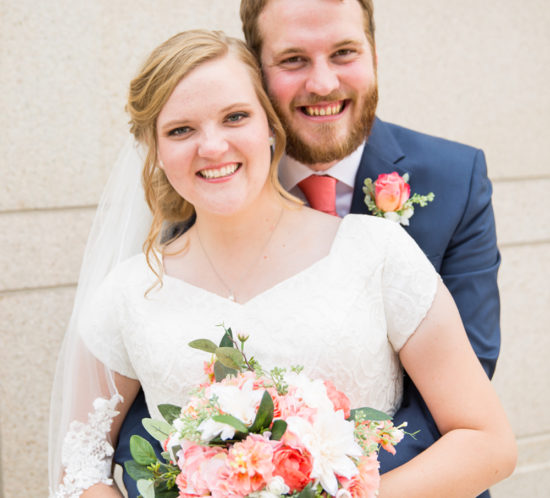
149	91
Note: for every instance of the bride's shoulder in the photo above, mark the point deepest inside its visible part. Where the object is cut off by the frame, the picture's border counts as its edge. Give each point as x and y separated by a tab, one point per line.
369	226
131	271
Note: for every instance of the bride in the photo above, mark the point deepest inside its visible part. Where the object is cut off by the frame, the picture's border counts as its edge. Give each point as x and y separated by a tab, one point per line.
354	300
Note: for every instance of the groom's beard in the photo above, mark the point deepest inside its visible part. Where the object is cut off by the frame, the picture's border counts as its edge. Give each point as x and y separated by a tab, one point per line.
330	149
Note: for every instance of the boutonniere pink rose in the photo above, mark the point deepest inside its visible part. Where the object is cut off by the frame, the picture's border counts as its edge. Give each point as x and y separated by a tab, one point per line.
390	197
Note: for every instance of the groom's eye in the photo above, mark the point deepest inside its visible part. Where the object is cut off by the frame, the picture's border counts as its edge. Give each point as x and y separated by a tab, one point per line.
344	52
295	60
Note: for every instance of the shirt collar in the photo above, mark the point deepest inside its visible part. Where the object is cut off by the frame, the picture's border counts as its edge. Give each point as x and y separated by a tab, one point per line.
292	172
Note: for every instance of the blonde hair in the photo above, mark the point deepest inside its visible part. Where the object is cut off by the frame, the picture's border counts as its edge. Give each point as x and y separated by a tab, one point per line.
149	91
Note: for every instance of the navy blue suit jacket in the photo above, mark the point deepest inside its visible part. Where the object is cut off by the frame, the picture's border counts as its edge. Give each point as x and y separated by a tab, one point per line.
457	233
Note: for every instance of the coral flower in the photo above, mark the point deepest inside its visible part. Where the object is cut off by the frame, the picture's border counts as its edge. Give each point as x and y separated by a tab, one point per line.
250	465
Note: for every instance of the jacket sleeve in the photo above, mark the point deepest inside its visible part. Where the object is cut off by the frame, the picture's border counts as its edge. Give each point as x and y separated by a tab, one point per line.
469	270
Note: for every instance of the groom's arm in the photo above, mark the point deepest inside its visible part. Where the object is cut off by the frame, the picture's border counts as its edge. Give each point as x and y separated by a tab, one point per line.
130	426
469	270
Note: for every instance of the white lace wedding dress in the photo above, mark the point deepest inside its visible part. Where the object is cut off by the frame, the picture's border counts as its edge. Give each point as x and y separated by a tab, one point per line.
344	318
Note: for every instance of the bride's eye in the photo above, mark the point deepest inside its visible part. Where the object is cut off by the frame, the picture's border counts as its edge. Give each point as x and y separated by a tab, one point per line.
235	117
178	132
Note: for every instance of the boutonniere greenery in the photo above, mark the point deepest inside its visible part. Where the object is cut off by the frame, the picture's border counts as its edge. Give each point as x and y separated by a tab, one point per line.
390	197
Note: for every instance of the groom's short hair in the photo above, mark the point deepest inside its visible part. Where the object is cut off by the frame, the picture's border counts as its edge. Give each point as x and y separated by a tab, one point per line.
251	10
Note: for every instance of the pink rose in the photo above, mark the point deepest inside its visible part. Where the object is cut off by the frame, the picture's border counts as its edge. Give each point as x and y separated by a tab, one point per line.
339	400
391	192
294	466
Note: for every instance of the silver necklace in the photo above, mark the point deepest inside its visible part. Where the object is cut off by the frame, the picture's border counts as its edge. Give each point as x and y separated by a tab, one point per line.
231	293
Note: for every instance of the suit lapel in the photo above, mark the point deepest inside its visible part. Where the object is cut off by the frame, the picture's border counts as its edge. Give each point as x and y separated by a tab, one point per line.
381	155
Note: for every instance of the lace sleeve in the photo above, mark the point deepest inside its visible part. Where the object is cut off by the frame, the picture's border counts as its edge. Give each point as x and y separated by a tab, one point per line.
87	454
409	285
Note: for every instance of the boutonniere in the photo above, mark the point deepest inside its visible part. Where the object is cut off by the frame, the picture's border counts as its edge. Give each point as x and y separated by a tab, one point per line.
390	197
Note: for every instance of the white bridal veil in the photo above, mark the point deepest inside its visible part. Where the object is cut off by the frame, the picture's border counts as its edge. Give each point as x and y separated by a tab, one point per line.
84	396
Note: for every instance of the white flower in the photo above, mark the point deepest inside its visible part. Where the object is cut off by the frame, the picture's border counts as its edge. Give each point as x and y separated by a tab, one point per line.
392	216
209	429
275	489
277	486
330	441
241	402
312	392
405	215
343	493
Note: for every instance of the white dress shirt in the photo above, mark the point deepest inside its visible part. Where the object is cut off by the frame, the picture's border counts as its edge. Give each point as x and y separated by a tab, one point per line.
291	172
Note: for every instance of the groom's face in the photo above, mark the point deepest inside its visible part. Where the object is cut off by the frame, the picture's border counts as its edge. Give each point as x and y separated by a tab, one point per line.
321	76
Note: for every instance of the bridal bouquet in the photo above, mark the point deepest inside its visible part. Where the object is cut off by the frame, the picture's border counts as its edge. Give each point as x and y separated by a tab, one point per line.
251	433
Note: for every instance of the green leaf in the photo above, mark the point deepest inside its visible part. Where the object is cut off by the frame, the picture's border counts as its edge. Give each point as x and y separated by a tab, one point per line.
166	456
278	429
369	414
227	341
204	345
169	412
159	429
307	492
162	491
232	421
137	471
264	416
142	451
146	488
221	371
230	357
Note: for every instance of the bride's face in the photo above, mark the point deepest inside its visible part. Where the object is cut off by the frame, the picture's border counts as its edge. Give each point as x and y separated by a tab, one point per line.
213	138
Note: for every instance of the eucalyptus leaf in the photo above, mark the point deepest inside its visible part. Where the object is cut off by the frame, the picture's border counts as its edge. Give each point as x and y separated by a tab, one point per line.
264	416
204	345
278	429
227	341
221	371
230	357
146	488
232	421
169	412
307	492
137	471
369	414
159	429
142	451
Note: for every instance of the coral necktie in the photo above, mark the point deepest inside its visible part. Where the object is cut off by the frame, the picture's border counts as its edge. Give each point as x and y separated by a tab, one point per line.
320	192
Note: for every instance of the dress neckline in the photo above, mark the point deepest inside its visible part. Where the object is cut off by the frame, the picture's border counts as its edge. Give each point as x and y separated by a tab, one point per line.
281	283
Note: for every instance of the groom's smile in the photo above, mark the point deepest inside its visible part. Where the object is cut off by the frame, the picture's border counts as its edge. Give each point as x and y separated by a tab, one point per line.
330	109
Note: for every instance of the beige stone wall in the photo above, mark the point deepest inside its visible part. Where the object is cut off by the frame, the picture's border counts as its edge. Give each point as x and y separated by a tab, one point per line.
471	71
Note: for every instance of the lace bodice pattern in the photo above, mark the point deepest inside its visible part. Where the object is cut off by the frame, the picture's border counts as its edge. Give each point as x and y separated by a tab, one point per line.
344	318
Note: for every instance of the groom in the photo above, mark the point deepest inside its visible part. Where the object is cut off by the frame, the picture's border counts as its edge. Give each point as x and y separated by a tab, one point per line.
319	63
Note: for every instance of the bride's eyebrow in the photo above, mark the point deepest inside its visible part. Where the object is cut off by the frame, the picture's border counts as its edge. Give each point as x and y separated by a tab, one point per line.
236	105
173	124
